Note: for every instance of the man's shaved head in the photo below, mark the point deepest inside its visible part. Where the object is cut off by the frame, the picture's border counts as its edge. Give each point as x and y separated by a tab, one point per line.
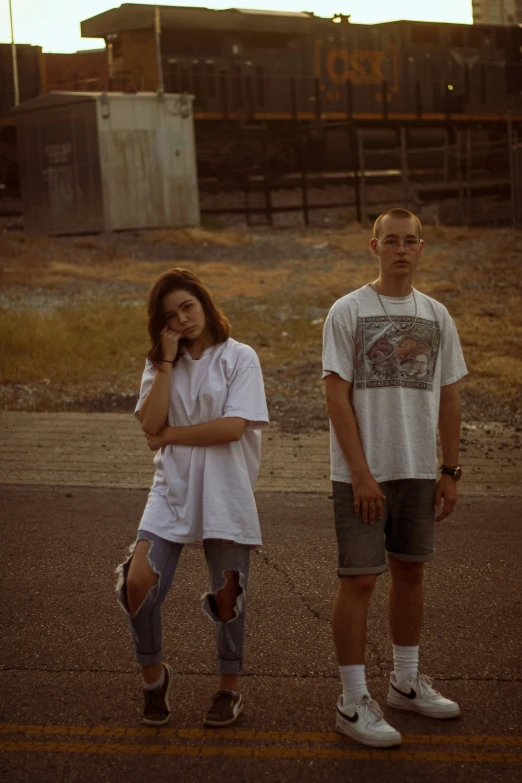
397	212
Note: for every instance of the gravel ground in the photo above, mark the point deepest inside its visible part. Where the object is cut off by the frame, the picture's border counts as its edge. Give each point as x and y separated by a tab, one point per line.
293	386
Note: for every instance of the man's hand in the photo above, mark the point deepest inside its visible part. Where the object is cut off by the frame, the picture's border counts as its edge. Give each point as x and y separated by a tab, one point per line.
447	492
367	497
155	442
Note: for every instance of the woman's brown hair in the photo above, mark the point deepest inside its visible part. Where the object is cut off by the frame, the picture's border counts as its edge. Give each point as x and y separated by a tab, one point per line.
178	279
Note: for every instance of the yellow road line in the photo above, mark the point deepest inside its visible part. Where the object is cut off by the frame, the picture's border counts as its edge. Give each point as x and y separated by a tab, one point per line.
257	752
243	734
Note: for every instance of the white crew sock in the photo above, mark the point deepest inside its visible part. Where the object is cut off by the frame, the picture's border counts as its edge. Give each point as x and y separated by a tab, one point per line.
353	679
405	662
151	686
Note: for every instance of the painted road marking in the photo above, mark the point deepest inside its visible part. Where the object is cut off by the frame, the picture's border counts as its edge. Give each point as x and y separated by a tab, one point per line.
259	752
243	734
478	740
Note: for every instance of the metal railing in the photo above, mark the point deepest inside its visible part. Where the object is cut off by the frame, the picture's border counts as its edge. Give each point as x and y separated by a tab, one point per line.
460	183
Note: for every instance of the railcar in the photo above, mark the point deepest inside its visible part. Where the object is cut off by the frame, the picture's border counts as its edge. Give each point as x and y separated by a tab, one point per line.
31	83
286	73
293	69
38	73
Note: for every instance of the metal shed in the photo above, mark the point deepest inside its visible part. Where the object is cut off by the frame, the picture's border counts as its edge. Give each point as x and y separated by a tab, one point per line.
93	162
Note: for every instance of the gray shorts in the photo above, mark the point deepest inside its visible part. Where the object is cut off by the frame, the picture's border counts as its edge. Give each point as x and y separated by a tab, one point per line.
406	531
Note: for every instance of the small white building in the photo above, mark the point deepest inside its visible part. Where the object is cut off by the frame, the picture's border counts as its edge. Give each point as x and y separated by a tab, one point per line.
95	162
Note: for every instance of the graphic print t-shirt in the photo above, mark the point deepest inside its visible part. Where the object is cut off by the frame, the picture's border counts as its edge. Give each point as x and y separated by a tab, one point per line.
396	370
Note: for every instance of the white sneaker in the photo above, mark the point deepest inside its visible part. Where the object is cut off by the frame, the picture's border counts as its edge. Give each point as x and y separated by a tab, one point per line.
363	721
416	694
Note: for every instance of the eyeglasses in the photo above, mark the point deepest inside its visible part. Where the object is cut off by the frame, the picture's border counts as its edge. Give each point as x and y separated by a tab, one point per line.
394	244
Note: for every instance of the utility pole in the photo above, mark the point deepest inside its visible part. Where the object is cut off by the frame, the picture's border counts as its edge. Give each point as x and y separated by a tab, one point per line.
16	87
157	33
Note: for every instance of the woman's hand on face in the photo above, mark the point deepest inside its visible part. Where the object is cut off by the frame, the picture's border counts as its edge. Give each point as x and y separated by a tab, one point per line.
155	442
169	343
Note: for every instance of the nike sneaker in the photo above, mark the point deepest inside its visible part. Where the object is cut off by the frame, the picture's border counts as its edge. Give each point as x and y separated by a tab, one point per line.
363	721
417	694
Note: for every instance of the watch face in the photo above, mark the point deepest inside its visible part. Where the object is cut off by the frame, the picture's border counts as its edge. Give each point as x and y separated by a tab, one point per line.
457	473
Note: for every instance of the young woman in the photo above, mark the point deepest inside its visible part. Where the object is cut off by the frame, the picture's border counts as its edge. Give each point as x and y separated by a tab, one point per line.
202	405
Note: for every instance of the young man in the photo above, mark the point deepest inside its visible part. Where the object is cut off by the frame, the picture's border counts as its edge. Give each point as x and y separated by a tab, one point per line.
383	425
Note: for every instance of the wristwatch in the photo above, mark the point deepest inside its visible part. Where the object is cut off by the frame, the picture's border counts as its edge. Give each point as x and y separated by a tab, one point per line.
454	471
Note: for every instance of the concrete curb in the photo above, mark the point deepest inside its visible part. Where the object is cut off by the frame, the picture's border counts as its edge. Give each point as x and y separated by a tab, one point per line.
85	450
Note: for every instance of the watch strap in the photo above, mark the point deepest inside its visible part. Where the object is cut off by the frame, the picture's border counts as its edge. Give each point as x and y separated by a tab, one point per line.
455	471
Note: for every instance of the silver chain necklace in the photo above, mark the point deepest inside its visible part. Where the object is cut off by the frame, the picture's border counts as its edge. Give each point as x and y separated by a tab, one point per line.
390	319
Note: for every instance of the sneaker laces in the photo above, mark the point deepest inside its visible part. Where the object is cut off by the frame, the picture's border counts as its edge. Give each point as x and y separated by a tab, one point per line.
426	688
372	711
152	702
221	702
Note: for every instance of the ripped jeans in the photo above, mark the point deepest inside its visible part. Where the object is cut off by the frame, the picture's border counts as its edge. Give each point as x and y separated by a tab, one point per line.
146	624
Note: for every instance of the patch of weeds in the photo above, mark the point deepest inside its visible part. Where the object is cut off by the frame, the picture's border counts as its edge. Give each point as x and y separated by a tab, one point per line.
72	345
198	236
85	243
276	292
9	248
111	247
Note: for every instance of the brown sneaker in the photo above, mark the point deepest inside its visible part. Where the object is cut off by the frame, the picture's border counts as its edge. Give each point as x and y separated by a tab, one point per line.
226	708
156	710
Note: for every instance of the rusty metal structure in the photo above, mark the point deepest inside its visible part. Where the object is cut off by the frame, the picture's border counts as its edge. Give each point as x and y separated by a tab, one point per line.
296	70
31	82
97	162
40	72
278	94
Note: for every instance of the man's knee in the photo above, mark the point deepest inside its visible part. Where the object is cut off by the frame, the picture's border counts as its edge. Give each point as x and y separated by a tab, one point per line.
360	585
405	572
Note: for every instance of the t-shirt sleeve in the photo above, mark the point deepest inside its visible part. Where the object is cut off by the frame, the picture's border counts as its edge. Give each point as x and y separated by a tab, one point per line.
146	382
246	391
338	349
453	366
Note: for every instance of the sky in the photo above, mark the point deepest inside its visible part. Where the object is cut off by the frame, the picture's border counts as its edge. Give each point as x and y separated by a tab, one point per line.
55	24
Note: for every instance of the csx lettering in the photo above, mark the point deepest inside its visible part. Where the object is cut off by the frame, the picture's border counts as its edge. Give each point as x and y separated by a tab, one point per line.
360	66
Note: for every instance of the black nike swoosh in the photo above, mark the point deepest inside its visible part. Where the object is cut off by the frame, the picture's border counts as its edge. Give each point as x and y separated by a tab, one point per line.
410	695
353	719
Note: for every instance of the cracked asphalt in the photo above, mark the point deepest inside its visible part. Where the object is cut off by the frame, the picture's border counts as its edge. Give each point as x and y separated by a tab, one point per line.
70	690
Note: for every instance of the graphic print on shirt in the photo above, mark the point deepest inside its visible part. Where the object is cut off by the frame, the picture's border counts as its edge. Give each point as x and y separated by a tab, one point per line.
387	356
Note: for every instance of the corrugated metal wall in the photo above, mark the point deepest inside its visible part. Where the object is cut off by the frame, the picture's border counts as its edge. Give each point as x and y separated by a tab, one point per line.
107	162
148	162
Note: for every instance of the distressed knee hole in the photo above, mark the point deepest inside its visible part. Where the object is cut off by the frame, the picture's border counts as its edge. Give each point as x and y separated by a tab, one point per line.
226	598
137	579
227	603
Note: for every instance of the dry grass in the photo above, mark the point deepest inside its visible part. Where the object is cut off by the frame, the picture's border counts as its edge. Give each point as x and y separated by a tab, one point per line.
32	271
197	236
277	308
79	344
9	248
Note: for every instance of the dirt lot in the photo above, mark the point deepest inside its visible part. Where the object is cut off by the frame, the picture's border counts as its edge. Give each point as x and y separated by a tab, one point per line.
72	311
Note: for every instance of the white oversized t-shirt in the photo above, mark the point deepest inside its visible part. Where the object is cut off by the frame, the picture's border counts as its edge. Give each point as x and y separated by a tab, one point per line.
209	490
396	378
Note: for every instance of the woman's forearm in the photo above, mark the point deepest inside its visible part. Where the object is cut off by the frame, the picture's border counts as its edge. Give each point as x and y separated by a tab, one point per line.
154	410
210	433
